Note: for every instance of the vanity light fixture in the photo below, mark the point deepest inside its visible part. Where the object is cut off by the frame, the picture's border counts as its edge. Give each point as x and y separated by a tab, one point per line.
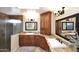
60	12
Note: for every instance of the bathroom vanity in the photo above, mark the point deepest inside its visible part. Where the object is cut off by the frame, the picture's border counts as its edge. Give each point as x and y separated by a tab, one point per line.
33	40
51	43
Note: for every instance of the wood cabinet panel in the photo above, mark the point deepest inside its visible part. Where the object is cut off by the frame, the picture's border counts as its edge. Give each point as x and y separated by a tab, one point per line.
18	17
37	39
45	23
43	44
33	40
58	27
3	16
25	40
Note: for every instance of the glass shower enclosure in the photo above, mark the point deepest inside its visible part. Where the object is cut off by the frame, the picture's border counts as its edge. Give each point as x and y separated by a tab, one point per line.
6	30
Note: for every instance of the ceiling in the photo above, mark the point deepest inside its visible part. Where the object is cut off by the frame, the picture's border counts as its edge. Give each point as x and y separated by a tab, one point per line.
10	10
39	3
18	7
19	11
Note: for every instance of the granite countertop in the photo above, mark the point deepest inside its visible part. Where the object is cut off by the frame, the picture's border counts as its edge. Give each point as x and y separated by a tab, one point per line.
26	33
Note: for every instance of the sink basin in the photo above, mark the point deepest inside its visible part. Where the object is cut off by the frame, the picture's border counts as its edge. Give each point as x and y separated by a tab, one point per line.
30	33
56	44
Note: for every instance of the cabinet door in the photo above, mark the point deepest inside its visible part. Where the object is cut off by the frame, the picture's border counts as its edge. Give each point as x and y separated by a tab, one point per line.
32	38
42	24
44	44
58	27
45	23
27	40
38	40
21	37
24	40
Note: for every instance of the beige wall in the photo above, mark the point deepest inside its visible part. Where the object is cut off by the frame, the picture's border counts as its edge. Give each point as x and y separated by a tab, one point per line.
37	19
53	23
69	11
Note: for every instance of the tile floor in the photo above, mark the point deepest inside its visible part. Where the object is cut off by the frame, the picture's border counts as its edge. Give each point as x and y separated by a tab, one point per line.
38	49
30	49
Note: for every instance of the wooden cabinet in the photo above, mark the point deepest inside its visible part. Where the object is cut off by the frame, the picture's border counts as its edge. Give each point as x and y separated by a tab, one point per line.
43	44
45	23
26	40
18	17
33	40
3	16
38	40
58	27
20	40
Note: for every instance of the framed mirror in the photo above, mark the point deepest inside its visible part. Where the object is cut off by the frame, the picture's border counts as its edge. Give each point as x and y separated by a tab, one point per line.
67	25
31	26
